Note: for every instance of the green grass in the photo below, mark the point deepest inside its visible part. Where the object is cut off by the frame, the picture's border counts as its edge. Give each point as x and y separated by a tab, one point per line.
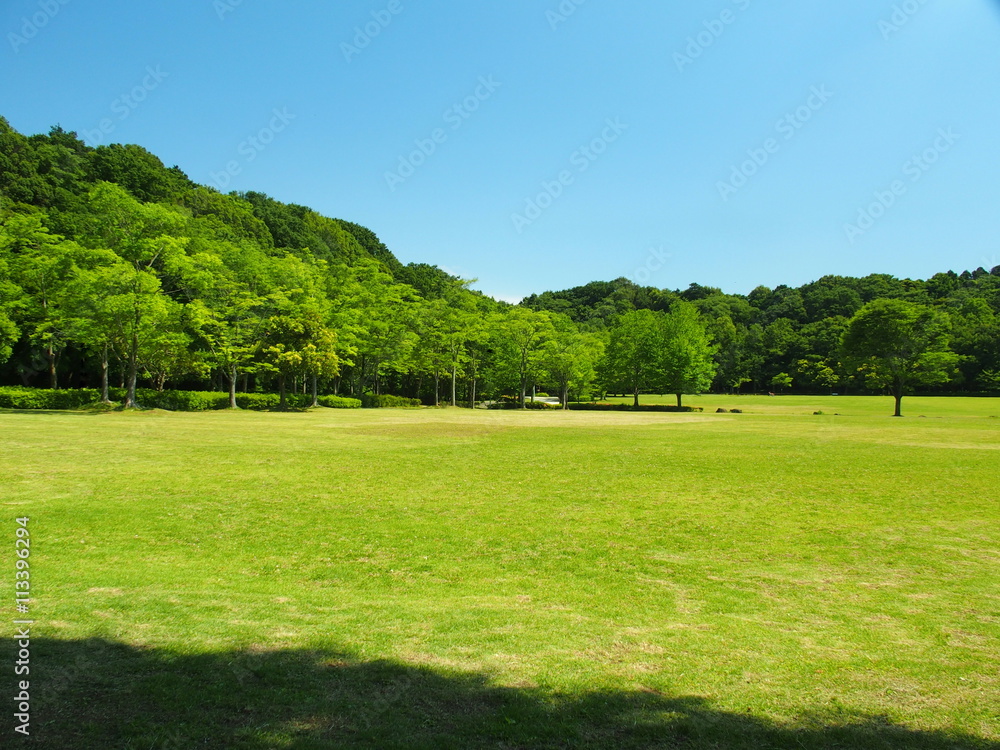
455	579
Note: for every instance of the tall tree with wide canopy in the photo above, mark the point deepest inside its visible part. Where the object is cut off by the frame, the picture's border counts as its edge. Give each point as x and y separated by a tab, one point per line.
569	357
634	352
687	362
897	344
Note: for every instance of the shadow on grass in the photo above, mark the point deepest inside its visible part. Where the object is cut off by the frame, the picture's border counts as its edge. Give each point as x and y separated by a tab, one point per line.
95	694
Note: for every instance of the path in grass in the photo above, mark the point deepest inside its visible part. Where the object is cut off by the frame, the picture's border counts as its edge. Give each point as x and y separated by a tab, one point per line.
764	578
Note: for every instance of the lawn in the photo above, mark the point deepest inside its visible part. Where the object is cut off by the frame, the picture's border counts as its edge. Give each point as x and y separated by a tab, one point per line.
455	579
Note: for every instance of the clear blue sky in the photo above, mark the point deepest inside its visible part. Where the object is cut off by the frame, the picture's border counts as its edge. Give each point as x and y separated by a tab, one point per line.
694	89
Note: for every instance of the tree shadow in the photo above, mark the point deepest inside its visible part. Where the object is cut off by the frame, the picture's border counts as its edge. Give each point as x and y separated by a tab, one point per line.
95	694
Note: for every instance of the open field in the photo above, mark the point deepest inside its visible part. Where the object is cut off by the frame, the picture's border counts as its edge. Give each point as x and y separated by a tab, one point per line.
456	579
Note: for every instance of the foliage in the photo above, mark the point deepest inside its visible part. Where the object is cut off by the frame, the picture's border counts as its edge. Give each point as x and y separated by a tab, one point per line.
896	344
385	401
117	269
19	397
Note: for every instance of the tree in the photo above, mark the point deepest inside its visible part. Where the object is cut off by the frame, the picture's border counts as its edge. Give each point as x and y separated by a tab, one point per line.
687	363
519	341
41	265
633	355
228	316
897	344
570	357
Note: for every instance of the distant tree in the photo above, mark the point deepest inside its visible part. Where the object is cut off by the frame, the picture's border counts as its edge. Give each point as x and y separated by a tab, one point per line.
569	358
633	355
897	344
687	363
520	340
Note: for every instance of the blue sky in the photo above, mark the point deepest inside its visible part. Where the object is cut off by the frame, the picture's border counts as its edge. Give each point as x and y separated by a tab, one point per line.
541	144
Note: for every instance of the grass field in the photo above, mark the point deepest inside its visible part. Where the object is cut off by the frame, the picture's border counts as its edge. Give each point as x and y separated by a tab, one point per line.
456	579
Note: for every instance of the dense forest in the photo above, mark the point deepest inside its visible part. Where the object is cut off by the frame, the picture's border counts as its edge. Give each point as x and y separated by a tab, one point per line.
117	271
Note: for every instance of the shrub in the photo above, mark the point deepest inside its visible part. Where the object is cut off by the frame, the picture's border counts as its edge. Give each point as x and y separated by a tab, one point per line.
641	407
371	401
18	397
528	404
339	402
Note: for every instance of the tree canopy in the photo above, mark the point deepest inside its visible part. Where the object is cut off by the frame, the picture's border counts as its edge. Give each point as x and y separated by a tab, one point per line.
118	270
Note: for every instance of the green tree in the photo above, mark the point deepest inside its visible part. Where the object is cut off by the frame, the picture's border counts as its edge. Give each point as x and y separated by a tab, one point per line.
687	357
40	265
569	358
520	338
897	344
634	352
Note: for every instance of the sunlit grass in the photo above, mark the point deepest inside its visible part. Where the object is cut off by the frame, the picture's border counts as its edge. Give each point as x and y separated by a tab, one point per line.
784	569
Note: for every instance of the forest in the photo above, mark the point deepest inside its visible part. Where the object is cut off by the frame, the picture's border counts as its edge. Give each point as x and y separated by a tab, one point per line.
118	273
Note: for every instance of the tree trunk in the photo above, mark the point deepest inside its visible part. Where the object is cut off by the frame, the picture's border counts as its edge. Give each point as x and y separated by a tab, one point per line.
472	393
565	396
437	388
133	374
53	378
282	400
898	395
679	400
636	395
523	389
454	376
105	395
231	376
315	402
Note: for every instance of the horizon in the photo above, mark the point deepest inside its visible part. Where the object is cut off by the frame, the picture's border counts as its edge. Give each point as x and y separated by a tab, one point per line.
861	133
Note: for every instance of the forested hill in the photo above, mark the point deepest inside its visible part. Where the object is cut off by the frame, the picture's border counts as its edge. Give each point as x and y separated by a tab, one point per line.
55	173
114	267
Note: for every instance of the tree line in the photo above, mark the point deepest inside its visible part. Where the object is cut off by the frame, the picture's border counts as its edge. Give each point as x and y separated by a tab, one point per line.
116	270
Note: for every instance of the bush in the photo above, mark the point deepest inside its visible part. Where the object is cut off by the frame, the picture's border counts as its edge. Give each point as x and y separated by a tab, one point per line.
371	401
629	407
339	402
18	397
528	404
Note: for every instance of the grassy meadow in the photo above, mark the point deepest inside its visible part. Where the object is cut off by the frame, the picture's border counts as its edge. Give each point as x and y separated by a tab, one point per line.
456	579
